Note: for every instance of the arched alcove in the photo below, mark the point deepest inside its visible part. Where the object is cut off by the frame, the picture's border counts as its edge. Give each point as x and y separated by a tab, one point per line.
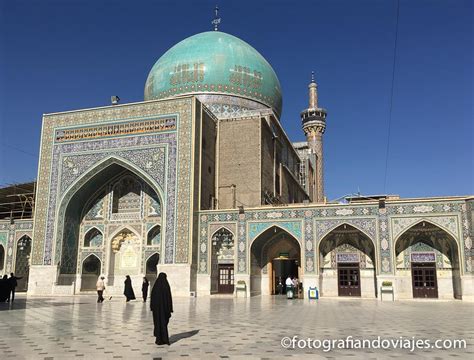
428	257
22	262
347	263
93	238
222	262
91	269
114	182
154	236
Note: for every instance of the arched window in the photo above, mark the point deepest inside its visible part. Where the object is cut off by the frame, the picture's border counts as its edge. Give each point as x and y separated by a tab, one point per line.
154	236
93	238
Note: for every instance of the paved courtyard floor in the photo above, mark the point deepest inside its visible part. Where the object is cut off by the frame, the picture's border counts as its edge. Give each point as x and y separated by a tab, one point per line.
227	328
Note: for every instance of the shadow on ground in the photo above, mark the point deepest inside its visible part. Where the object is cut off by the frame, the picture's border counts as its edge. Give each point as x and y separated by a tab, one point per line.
183	335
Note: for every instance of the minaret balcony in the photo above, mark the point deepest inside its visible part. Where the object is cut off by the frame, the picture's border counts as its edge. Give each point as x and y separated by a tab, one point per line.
313	115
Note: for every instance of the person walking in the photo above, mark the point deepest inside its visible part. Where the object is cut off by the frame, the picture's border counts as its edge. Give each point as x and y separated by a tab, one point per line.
145	286
161	304
13	283
128	290
100	286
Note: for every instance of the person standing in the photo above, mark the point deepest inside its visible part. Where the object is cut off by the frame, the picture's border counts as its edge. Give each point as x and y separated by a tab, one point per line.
289	287
128	290
161	304
13	283
145	286
296	288
100	286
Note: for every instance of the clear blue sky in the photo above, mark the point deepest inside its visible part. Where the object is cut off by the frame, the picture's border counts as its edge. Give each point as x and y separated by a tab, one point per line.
65	55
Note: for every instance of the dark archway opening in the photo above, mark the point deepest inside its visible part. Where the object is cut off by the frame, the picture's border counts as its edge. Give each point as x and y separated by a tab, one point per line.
91	267
275	255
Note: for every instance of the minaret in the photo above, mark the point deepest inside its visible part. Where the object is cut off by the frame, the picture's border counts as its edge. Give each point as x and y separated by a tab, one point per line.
314	123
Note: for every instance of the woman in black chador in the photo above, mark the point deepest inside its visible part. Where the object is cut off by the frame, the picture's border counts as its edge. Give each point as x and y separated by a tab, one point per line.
128	291
145	285
161	304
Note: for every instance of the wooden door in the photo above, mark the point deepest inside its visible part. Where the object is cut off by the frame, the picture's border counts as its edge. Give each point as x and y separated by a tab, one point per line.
425	283
348	276
226	279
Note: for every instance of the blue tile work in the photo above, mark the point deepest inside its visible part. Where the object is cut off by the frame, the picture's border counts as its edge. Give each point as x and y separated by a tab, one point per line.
9	235
148	158
124	129
382	226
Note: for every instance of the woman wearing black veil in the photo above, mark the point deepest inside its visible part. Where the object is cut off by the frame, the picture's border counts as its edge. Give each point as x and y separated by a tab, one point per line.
162	306
128	291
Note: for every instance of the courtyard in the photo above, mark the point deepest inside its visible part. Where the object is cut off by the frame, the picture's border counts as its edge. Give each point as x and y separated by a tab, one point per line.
227	328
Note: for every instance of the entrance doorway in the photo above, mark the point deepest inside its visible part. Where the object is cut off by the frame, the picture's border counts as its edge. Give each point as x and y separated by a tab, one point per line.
274	253
348	276
90	273
222	262
282	268
425	284
226	279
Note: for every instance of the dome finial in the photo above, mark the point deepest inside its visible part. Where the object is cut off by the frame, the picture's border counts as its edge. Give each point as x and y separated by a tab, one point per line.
312	77
217	19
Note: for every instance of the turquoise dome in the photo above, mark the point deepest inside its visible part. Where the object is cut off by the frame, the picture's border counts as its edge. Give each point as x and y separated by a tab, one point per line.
214	62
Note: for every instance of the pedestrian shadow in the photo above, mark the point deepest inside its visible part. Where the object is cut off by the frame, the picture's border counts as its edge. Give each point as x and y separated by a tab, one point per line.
184	335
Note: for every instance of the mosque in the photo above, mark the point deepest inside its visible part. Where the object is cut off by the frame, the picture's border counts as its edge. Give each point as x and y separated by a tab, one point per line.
201	181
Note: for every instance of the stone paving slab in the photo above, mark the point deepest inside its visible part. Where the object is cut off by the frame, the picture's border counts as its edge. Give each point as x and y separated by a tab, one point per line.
226	328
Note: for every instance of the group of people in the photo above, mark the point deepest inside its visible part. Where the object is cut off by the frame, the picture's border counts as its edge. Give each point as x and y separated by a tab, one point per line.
291	287
7	287
161	303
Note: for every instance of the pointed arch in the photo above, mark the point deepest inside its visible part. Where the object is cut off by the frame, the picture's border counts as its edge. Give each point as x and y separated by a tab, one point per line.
109	165
87	240
223	226
116	244
152	233
151	263
275	253
266	226
426	247
452	241
424	220
19	235
91	268
88	258
103	164
22	260
348	223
